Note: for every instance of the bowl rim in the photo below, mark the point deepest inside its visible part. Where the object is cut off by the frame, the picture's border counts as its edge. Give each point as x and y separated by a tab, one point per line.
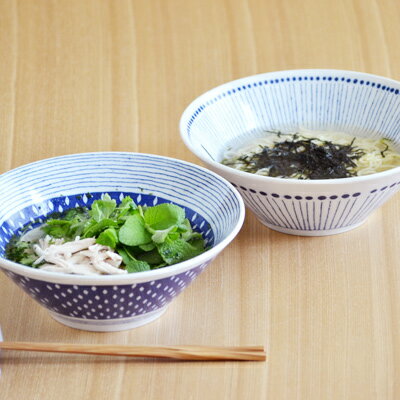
260	179
137	277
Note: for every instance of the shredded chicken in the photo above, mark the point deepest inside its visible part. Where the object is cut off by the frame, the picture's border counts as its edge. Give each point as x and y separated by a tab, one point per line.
81	256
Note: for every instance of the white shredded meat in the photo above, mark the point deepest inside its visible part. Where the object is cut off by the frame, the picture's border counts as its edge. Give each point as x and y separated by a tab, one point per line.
81	256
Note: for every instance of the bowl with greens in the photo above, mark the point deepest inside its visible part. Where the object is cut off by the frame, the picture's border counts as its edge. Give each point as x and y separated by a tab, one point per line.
312	152
105	241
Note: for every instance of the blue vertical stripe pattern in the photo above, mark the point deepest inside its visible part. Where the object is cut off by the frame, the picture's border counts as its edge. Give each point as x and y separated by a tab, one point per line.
30	192
319	213
331	100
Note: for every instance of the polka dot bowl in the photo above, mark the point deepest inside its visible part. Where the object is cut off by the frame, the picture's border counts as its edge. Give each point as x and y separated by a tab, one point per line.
329	100
114	302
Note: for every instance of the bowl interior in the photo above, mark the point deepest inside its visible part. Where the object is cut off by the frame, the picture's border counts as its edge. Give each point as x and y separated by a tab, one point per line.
31	217
360	104
37	190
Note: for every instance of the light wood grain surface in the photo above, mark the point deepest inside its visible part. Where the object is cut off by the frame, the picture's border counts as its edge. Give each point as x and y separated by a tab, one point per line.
92	75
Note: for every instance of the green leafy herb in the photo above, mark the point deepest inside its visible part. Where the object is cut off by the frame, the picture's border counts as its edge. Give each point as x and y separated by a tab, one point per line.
174	251
69	226
198	243
125	208
163	216
58	228
145	237
160	235
102	209
147	247
134	232
94	228
152	257
108	237
20	252
133	265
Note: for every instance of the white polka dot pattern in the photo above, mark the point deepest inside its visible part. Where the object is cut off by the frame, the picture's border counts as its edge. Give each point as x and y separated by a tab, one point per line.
32	192
106	302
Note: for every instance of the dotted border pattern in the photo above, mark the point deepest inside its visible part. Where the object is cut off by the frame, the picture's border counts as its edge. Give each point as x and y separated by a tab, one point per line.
321	212
266	82
298	197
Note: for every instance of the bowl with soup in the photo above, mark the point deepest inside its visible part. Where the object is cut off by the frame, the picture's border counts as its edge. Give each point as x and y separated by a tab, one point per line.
106	241
312	152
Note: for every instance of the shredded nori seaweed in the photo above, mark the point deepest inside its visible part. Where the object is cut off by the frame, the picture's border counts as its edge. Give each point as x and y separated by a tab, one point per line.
303	158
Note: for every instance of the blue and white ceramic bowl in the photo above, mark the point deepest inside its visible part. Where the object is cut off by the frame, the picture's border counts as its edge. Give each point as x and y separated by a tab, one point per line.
114	302
358	103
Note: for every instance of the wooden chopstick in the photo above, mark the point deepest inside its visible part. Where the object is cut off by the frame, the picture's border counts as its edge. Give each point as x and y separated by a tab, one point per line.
195	353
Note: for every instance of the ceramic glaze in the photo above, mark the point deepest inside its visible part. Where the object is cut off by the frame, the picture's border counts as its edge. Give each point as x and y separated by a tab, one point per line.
330	100
114	302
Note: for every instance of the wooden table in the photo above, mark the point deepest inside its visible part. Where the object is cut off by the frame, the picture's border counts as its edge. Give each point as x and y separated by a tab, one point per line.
80	75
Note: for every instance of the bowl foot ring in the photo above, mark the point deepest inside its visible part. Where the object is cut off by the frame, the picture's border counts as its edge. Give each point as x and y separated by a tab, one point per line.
108	325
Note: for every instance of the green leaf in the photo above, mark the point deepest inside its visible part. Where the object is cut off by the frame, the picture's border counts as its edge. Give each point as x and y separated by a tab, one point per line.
163	216
176	251
141	211
132	252
160	236
95	228
29	260
108	237
185	227
187	232
131	264
21	252
198	243
194	236
126	207
137	266
126	256
147	247
102	209
70	214
151	257
174	235
77	227
133	232
57	228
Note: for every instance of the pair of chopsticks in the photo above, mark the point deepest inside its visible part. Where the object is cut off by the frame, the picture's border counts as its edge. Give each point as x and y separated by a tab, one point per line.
194	353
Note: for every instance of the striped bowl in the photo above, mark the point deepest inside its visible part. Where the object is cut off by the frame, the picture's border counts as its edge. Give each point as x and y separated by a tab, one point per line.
114	302
358	103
